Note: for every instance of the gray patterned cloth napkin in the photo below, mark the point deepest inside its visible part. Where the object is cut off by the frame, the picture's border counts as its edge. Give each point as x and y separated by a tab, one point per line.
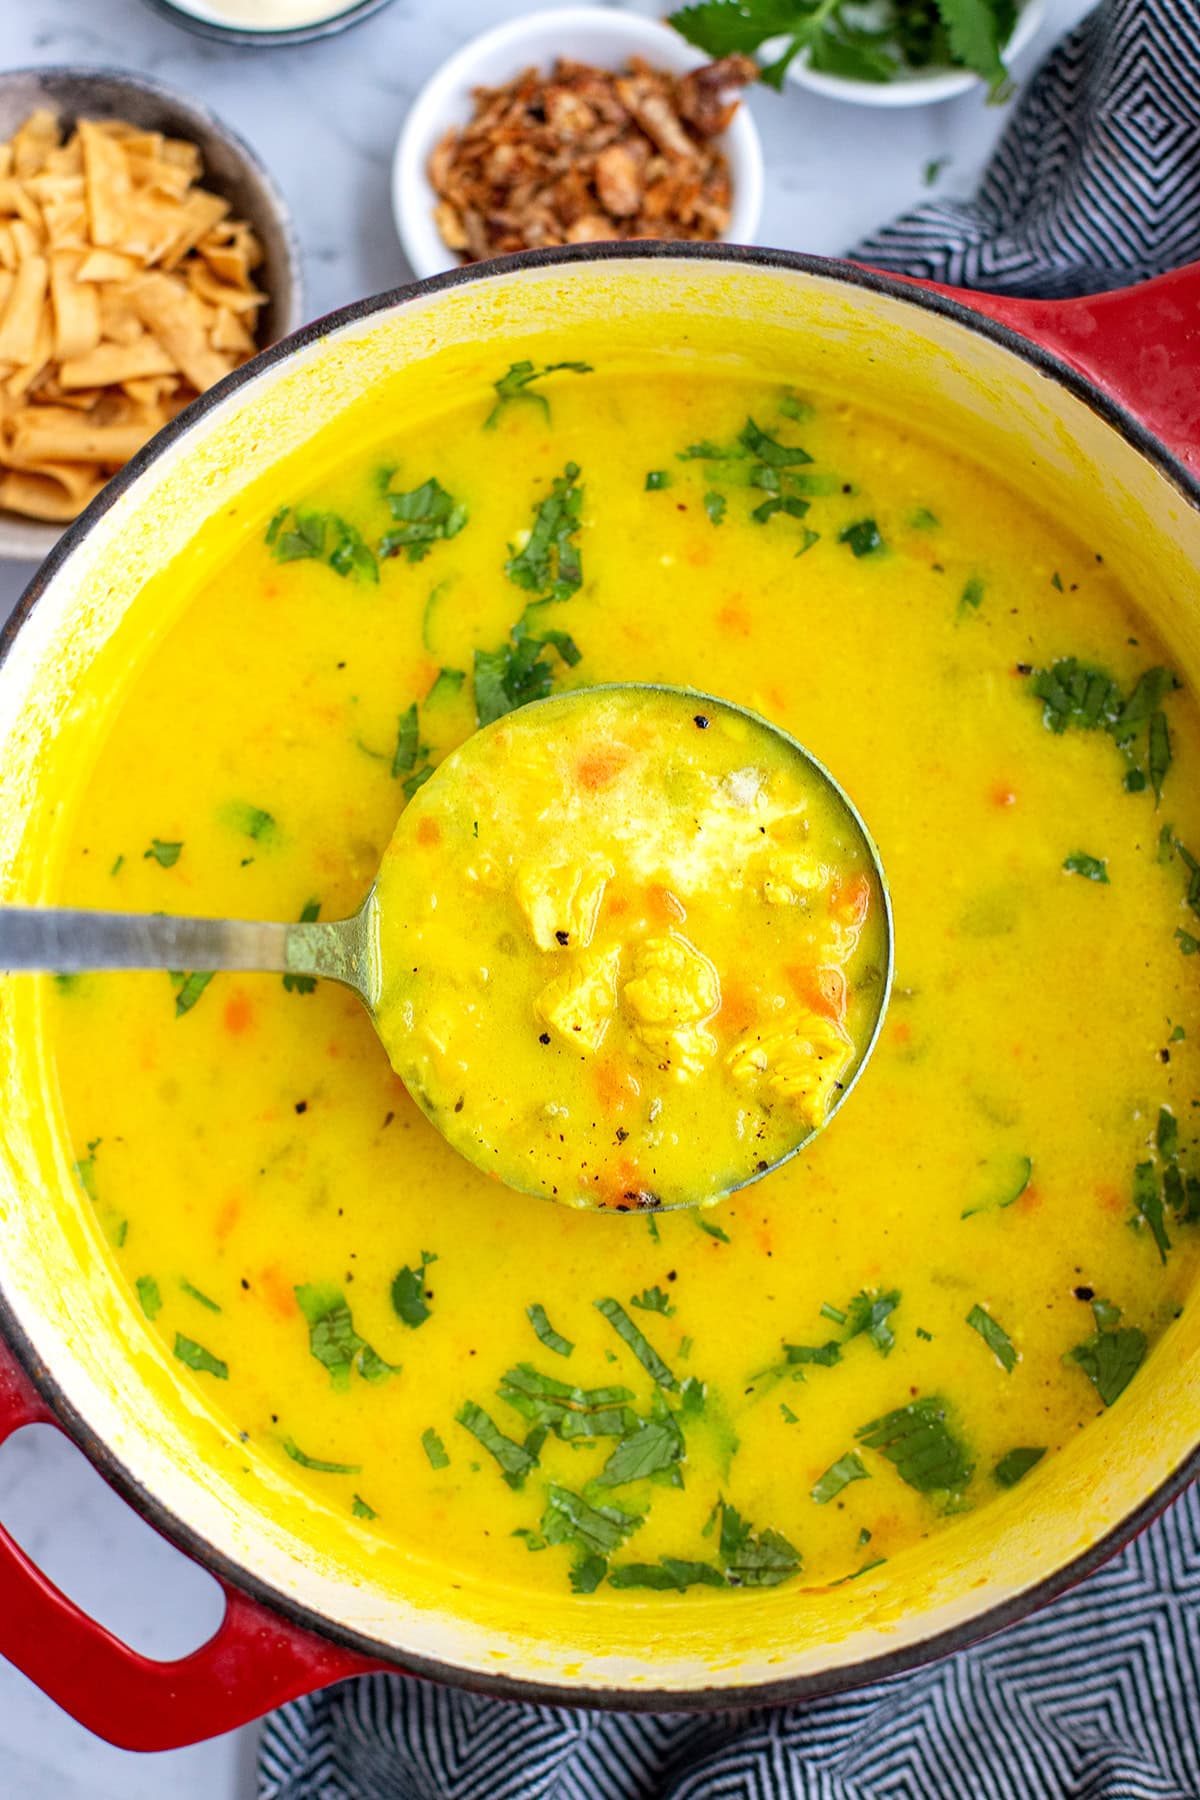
1096	183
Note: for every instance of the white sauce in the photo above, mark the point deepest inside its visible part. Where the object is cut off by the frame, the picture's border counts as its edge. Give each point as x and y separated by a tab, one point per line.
264	15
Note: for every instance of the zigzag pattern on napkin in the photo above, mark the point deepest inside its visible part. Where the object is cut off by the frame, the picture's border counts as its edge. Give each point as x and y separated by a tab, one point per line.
1093	1698
1096	180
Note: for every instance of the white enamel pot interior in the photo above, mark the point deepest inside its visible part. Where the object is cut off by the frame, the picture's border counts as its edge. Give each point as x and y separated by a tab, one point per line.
814	323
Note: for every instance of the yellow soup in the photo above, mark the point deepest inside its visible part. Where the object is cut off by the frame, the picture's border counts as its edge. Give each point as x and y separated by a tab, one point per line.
631	948
891	1328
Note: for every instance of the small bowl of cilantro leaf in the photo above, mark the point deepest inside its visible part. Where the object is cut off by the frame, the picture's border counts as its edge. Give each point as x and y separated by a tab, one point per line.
873	52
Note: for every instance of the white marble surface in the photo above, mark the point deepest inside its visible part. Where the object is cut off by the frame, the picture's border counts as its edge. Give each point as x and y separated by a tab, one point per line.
324	118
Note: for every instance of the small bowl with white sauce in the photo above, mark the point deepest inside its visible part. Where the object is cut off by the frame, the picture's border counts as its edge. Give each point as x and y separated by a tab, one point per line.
265	23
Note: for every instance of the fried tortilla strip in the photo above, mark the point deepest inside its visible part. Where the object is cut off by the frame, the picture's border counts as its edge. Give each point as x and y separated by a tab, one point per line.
110	364
76	308
109	188
165	307
19	326
41	496
199	213
33	143
107	265
52	435
26	375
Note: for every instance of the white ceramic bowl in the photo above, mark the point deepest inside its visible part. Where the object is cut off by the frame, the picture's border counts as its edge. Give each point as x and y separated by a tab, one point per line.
590	34
917	89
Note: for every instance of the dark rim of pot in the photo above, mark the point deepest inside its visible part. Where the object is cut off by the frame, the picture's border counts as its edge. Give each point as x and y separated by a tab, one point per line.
250	37
508	1686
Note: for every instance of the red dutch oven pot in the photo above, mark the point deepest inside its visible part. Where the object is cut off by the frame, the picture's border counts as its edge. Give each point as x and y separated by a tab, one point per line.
1105	391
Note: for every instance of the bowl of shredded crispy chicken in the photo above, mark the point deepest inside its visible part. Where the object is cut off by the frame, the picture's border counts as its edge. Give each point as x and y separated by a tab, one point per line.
573	126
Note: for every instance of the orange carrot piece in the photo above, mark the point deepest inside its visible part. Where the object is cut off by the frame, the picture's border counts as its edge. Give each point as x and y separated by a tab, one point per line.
239	1013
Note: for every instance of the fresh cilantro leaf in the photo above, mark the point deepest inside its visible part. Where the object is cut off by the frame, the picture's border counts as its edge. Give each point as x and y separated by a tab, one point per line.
1148	1205
517	384
322	537
310	912
165	855
408	1292
973	28
569	1519
862	537
552	1339
1110	1359
839	1475
918	1441
446	685
1016	1463
1092	868
195	1294
516	674
1158	754
995	1337
789	1417
669	1574
769	450
350	554
645	1352
425	515
360	1509
148	1294
1187	943
317	1463
657	479
549	564
654	1447
754	1559
570	1412
1166	1133
971	597
832	1312
248	821
405	754
653	1300
1106	1314
921	519
931	173
714	506
869	1313
515	1459
792	508
1082	697
188	989
713	1231
333	1340
198	1358
434	1449
588	1573
823	1355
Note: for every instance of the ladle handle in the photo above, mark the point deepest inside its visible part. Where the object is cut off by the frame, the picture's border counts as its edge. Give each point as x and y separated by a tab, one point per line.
73	941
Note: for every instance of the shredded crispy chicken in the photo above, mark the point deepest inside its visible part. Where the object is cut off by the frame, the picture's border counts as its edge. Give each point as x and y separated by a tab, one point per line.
585	154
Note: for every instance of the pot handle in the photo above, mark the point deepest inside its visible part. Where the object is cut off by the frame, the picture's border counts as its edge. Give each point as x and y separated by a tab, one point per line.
254	1662
1141	345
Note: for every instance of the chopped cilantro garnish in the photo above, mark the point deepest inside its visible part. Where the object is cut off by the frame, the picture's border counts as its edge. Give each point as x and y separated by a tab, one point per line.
165	855
447	684
405	754
195	1294
999	1182
793	407
1083	697
361	1510
862	537
754	1559
972	595
188	989
1092	868
919	1443
793	508
570	1412
714	506
249	821
552	1339
1016	1463
921	519
321	537
823	1355
317	1463
588	1573
789	1417
869	1313
425	515
668	1574
839	1475
408	1292
1148	1205
569	1519
713	1231
512	676
434	1449
310	912
657	479
645	1352
833	1312
1110	1359
549	564
517	385
768	449
653	1447
515	1459
1187	943
198	1358
653	1300
333	1340
1166	1132
148	1294
994	1336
